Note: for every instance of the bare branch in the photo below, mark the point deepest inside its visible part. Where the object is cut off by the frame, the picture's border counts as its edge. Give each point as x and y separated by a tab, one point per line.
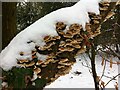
112	79
109	77
87	64
107	59
103	71
113	52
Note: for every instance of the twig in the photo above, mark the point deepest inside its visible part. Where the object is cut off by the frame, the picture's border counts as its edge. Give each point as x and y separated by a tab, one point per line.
109	61
108	77
118	24
114	53
103	71
112	79
87	63
89	55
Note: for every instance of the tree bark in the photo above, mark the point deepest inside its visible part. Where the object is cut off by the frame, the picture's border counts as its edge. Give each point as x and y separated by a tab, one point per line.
8	22
93	53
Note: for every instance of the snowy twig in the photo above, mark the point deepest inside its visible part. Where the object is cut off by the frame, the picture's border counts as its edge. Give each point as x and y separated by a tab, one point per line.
112	79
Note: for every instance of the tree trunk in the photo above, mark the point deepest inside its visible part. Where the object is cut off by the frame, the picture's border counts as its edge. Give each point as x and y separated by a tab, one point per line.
93	53
8	22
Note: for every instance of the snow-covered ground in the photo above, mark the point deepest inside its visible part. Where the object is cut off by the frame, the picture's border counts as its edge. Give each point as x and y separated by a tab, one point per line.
80	76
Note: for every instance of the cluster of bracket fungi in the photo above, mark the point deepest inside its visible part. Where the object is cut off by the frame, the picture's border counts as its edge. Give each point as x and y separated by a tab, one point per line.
62	49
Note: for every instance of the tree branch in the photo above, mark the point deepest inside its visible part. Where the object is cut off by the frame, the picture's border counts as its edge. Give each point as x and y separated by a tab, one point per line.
112	79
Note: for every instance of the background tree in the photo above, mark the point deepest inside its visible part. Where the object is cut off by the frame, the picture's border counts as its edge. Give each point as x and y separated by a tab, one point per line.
8	22
109	38
32	11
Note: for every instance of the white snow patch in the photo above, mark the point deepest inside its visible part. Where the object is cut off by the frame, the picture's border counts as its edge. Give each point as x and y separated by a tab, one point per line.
34	77
85	79
4	84
41	57
45	26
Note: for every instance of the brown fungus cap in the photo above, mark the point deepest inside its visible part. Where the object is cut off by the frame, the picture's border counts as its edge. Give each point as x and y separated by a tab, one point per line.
23	61
48	61
39	62
64	60
60	26
69	49
103	8
65	64
104	4
32	63
37	70
47	38
75	27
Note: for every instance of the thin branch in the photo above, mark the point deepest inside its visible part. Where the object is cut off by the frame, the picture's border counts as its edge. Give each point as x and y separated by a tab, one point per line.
103	71
108	60
118	24
87	64
109	77
112	79
86	61
89	55
114	53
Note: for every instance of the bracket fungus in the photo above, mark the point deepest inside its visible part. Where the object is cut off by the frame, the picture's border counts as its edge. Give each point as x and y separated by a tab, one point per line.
60	50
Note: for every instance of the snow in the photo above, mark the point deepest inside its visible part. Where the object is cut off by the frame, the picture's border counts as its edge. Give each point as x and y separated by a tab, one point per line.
4	84
45	26
85	79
